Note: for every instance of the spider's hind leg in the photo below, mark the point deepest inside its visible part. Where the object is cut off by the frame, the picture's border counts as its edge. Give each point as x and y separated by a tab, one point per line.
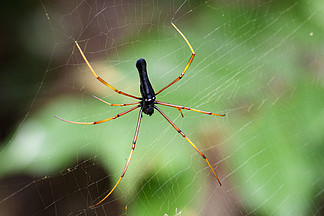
188	64
99	78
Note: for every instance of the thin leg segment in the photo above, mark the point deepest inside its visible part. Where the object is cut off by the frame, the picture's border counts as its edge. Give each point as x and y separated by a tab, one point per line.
187	108
101	121
128	160
99	78
110	104
187	66
193	145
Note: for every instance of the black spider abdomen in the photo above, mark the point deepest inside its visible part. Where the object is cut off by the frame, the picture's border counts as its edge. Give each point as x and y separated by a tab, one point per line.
147	91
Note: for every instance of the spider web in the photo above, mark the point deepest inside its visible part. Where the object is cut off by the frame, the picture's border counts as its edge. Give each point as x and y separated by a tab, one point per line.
260	62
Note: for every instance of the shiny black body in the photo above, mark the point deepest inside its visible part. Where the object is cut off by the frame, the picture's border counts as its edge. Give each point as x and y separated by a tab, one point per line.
147	92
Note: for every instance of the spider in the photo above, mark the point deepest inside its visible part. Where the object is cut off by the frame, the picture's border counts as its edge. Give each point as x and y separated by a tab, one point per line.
147	104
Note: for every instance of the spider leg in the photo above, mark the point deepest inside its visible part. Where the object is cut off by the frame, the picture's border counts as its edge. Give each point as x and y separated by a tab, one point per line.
128	160
187	108
110	104
99	78
181	112
100	121
187	66
193	145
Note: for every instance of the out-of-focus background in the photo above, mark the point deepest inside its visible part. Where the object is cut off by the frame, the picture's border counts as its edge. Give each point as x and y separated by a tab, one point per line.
260	62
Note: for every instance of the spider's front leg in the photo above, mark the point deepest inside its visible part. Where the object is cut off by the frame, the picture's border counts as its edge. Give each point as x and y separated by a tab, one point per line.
191	143
100	121
128	160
